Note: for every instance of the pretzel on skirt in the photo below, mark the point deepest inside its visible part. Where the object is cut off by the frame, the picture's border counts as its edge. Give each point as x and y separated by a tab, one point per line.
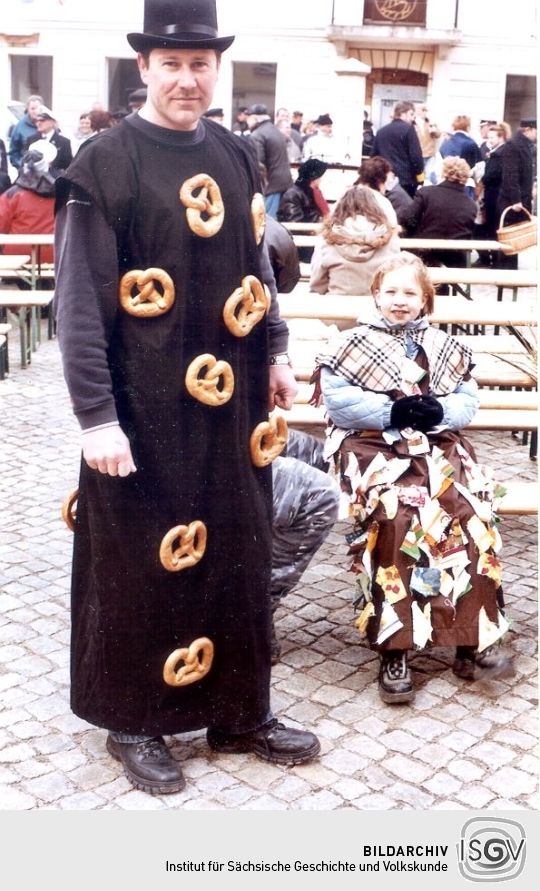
197	659
208	201
207	388
183	546
252	301
268	440
69	512
148	301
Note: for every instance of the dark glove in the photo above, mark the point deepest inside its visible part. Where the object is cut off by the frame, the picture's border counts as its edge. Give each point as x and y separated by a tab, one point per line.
419	412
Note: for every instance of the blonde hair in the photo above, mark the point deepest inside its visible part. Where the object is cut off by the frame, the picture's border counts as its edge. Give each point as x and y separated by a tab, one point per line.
405	259
455	170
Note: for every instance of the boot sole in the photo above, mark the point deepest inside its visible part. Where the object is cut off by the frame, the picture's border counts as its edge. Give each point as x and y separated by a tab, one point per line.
146	785
284	759
390	698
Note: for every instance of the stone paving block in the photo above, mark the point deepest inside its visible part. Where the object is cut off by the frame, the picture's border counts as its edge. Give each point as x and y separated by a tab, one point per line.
466	770
511	782
48	707
425	727
16	754
491	754
12	799
374	802
345	763
399	741
414	771
82	801
48	788
324	800
443	784
54	742
364	745
265	803
459	741
476	726
316	775
29	730
436	754
299	685
88	777
290	788
305	713
475	796
412	795
201	804
10	680
530	763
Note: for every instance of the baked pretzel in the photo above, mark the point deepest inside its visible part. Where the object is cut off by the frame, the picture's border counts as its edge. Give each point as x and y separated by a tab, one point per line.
191	541
268	440
253	300
148	301
197	659
69	514
206	388
258	216
208	201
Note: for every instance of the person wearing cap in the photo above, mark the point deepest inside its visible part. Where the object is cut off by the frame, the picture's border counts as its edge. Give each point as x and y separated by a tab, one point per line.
27	207
322	144
483	145
518	161
137	98
47	130
304	201
215	114
398	142
24	130
172	556
271	149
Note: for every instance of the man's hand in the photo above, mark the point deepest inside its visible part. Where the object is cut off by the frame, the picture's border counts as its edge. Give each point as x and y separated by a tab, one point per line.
108	451
517	207
282	387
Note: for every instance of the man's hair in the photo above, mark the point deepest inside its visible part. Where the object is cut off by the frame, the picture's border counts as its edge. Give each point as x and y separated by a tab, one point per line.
34	98
402	107
146	53
373	171
405	259
461	122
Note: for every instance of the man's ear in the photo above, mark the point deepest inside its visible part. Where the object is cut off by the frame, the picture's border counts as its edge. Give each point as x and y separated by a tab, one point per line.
143	67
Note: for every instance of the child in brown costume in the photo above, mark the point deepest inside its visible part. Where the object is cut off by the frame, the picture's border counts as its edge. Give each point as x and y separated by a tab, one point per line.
425	539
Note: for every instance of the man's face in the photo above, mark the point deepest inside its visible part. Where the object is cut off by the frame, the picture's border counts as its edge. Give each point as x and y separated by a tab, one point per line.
530	133
44	125
408	116
33	109
180	83
326	129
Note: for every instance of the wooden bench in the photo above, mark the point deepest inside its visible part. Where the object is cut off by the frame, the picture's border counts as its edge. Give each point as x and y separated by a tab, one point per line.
27	306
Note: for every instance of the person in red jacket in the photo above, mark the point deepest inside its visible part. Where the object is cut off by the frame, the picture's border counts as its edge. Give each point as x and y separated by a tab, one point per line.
28	206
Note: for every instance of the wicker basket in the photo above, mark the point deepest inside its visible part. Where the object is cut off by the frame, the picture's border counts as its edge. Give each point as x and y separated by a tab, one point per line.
518	236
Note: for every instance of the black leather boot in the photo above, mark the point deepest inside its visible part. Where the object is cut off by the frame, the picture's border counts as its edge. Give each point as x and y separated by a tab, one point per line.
273	742
148	765
492	662
395	682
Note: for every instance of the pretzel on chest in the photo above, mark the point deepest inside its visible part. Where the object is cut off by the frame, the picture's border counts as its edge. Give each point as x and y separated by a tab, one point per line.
208	201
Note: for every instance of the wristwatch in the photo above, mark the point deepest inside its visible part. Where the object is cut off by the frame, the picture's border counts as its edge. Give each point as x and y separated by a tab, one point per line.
279	359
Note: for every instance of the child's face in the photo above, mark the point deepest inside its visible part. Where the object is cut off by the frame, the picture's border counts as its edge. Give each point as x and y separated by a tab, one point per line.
400	298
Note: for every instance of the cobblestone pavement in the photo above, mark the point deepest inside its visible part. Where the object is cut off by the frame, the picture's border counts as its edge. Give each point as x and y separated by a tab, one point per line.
458	746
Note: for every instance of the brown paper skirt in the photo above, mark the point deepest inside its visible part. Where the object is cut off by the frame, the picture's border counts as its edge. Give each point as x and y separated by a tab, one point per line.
453	625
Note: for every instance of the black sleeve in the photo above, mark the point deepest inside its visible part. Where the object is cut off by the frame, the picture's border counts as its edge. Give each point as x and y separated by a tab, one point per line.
86	303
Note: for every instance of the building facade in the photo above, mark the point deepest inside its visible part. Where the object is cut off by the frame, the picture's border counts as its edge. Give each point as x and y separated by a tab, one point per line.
471	57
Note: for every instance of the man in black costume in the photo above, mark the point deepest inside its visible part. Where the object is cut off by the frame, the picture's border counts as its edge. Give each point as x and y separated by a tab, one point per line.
172	357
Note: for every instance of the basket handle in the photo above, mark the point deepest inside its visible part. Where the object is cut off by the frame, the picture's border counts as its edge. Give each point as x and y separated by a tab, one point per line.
505	211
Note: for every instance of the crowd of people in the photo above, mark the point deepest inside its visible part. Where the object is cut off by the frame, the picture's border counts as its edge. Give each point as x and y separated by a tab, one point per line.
173	347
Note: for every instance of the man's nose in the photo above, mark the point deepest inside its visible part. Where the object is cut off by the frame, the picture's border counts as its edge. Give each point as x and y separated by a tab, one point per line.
186	78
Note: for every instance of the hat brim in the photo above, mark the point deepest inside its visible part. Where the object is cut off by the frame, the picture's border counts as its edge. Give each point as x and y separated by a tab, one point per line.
143	42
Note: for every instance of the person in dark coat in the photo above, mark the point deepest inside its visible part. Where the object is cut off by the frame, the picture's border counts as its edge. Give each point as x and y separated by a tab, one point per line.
171	616
461	144
444	211
5	181
24	130
304	201
47	129
491	184
377	173
517	177
398	142
271	150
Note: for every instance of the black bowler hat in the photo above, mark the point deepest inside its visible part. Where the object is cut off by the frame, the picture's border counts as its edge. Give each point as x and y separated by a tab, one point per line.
214	113
179	24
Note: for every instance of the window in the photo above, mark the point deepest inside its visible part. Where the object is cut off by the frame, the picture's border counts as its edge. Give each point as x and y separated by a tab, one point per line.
31	75
123	79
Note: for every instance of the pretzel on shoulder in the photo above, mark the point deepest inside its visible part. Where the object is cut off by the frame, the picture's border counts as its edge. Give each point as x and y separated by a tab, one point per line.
268	440
208	201
252	300
207	388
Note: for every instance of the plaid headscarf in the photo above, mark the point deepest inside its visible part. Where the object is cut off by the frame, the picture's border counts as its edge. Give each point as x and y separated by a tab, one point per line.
372	357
